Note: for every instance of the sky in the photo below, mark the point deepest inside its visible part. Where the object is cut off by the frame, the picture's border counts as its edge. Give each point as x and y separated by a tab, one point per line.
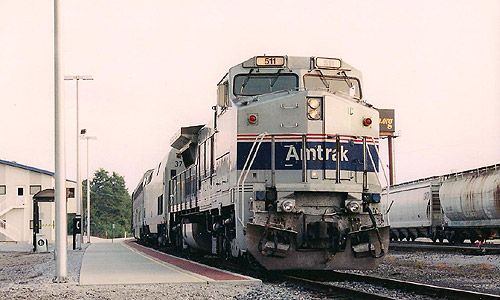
156	64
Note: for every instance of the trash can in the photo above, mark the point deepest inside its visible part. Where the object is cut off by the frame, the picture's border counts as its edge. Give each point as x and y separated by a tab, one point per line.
41	243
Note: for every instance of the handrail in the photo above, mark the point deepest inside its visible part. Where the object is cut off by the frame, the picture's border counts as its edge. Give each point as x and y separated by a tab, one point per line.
383	172
244	173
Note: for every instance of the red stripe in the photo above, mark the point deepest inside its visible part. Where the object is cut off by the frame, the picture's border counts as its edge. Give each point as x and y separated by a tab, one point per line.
308	139
312	135
186	264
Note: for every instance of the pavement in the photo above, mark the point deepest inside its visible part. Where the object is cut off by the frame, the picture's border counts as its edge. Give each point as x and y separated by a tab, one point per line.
126	262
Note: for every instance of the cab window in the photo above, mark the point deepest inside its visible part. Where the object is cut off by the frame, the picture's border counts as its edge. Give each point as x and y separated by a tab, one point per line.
342	84
258	84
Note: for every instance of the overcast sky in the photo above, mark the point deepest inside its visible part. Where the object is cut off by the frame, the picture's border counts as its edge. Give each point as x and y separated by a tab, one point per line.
156	65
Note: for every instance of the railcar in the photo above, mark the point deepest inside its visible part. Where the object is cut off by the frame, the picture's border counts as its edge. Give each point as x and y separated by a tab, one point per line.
455	207
149	215
138	208
284	174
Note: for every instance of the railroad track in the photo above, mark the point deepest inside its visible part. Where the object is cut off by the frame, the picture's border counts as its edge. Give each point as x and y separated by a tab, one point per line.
462	248
326	281
339	284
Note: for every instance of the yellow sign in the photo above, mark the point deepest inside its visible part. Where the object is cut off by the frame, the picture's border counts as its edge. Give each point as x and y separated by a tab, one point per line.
387	121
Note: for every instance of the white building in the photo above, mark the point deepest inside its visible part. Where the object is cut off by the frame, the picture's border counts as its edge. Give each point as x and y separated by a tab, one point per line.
18	184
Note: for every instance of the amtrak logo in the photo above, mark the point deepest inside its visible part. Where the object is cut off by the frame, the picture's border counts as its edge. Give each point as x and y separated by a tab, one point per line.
316	153
288	155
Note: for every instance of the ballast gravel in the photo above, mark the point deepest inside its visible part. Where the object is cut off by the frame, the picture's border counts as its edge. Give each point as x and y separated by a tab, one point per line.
479	273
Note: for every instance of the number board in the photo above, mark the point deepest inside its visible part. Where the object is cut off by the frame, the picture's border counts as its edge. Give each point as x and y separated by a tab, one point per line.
270	61
328	63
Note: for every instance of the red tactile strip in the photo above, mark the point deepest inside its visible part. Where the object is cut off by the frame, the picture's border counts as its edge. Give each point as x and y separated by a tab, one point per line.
186	264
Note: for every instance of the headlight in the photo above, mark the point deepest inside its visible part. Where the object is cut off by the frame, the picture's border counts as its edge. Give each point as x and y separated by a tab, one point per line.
314	108
288	205
353	207
313	103
314	114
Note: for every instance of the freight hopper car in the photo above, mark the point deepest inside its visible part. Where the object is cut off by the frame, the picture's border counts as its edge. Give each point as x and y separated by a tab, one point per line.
285	173
455	207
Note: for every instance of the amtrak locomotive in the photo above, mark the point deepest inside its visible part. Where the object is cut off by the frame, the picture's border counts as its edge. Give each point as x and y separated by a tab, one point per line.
285	174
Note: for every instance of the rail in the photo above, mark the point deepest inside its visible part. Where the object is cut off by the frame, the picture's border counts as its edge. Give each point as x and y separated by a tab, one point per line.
466	249
321	277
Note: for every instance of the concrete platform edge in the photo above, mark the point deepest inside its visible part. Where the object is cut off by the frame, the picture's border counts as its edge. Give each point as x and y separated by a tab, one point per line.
248	279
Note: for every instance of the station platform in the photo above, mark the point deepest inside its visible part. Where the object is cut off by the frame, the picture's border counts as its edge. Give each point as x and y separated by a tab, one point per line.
126	262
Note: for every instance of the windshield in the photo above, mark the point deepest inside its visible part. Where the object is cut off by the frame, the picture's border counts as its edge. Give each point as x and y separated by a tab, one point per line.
343	84
258	84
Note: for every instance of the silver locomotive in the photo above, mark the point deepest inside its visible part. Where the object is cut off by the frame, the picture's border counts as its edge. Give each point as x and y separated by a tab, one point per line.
455	207
284	174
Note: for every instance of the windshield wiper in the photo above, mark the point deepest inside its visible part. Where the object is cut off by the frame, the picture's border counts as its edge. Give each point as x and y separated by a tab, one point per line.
346	78
246	80
323	79
276	77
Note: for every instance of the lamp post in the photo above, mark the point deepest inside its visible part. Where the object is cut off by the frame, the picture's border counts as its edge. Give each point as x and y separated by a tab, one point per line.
60	155
86	137
78	193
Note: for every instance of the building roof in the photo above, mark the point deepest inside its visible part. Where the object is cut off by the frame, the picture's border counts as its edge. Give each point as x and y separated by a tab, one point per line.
25	167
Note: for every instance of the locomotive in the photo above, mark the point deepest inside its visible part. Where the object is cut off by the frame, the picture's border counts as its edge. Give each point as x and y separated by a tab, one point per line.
284	174
455	207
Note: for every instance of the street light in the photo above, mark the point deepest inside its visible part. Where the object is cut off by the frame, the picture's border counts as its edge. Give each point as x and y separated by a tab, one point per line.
78	193
86	137
60	155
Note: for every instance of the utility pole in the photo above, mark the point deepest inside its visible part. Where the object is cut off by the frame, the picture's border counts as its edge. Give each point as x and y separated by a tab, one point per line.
60	157
392	175
78	192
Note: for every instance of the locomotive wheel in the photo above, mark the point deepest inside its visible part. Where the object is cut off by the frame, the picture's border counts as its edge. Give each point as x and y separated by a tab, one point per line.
474	238
434	237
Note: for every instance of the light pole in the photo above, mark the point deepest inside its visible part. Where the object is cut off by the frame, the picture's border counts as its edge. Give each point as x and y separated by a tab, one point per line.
78	193
60	156
86	137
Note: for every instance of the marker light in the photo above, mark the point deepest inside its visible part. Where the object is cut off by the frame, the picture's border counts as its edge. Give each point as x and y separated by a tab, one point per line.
367	121
252	119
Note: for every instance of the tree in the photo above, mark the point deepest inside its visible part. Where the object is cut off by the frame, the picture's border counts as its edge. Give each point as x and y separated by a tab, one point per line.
110	204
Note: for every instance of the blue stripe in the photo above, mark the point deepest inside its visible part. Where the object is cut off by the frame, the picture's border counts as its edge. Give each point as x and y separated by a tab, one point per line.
320	156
